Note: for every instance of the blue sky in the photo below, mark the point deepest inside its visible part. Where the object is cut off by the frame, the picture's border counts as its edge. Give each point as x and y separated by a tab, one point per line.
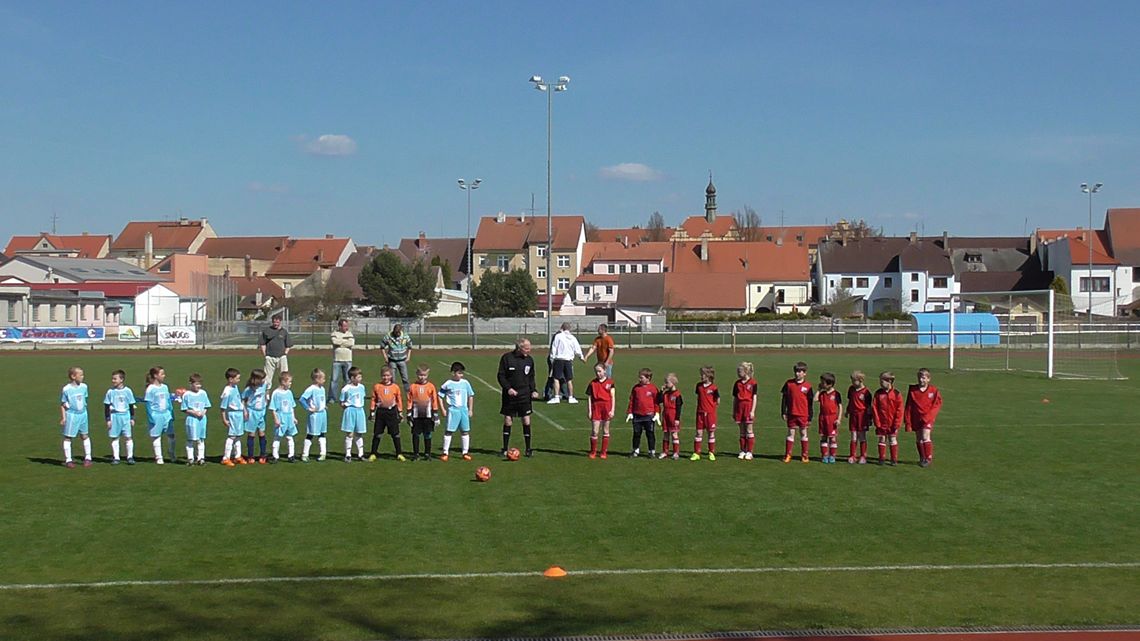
357	118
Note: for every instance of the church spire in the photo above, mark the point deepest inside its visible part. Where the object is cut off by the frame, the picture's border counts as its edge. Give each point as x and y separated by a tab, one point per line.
710	200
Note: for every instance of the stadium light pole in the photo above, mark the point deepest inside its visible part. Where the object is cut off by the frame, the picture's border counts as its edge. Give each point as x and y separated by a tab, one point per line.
1090	191
550	89
470	187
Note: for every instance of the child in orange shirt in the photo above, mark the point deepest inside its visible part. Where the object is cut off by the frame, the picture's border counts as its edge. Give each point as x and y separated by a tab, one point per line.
423	412
386	402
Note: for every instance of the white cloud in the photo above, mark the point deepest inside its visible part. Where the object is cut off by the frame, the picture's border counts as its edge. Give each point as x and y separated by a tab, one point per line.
267	188
631	171
329	145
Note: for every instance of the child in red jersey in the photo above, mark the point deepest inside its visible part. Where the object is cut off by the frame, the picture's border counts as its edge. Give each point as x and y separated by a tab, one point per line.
708	398
744	408
797	404
887	413
830	406
669	398
858	416
600	408
923	401
643	412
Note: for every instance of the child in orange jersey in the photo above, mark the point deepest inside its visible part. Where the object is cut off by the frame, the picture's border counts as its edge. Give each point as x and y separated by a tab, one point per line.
797	405
744	408
600	409
830	406
385	409
670	400
923	401
708	398
423	412
858	416
887	411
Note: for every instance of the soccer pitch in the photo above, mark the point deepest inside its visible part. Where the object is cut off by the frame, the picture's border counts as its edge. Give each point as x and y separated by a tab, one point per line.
1027	517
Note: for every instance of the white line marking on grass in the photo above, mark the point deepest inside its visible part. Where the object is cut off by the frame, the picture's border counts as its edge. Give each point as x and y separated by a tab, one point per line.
587	572
495	389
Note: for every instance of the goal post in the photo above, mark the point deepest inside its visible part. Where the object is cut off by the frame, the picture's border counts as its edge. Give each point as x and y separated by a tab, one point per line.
1029	331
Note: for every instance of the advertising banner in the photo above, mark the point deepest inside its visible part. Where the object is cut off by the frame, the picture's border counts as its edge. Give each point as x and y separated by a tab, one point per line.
130	333
51	334
177	335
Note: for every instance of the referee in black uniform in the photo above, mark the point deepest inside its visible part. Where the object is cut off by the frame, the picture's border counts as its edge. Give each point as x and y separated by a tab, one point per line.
516	377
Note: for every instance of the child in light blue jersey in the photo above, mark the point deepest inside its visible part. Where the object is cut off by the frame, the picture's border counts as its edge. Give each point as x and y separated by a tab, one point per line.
233	417
283	406
160	415
119	411
315	402
353	422
255	395
73	416
459	408
195	401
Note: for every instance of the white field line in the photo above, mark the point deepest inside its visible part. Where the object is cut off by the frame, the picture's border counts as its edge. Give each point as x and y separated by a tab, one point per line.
495	389
571	573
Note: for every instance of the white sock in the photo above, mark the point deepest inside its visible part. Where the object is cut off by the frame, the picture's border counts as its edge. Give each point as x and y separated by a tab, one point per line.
308	446
446	443
324	445
360	447
115	448
465	440
237	447
202	450
67	449
293	447
157	444
86	449
276	448
190	451
348	446
130	448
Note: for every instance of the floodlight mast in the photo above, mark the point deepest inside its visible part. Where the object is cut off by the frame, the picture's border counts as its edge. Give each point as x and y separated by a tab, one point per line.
540	85
470	187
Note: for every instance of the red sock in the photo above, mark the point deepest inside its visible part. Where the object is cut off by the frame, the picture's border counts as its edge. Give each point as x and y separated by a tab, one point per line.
712	447
805	445
853	444
743	443
882	451
697	446
895	452
593	445
834	449
863	449
751	444
823	449
788	447
929	447
605	445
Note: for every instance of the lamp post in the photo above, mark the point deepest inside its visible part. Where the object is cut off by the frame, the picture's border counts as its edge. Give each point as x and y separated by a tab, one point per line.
549	88
470	187
1090	191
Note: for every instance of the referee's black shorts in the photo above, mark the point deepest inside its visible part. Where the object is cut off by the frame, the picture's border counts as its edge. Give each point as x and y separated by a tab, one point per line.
516	405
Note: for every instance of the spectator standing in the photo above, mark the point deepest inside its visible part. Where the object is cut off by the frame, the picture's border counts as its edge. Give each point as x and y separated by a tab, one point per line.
604	346
397	348
343	342
275	343
563	349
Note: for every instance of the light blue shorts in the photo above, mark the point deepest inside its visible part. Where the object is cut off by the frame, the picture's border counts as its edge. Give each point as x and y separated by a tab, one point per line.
287	427
457	419
318	424
196	428
120	425
237	422
256	422
353	421
74	424
160	424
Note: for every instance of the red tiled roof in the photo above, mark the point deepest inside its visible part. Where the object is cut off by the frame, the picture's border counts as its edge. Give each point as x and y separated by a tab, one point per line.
616	251
256	247
1123	227
695	226
629	234
555	303
250	286
303	256
86	245
598	278
167	235
714	291
1079	254
810	234
1099	238
515	233
756	261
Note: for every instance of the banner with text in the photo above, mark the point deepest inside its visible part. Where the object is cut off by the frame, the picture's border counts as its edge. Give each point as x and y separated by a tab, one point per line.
51	334
177	335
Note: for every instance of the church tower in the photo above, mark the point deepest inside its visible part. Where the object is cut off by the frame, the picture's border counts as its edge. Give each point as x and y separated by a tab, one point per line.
710	201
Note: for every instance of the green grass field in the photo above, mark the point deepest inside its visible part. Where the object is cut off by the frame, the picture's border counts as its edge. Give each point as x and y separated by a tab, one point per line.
1016	481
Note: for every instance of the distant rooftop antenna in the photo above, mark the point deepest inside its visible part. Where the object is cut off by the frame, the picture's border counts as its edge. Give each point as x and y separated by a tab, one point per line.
54	220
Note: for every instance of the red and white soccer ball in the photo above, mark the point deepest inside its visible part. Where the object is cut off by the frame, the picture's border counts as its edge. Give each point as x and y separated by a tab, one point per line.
513	454
482	474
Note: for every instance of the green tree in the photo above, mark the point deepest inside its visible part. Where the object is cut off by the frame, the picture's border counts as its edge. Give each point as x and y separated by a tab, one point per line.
504	295
1062	299
399	290
444	268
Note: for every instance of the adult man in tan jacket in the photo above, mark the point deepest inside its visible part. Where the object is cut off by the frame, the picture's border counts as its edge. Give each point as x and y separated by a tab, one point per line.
343	341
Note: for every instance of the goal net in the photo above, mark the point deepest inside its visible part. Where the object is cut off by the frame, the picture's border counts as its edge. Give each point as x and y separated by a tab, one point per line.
1030	331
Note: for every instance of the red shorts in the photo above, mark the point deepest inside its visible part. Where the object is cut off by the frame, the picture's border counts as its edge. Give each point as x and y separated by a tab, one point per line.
742	413
828	425
600	411
706	421
886	431
858	423
670	423
911	427
797	421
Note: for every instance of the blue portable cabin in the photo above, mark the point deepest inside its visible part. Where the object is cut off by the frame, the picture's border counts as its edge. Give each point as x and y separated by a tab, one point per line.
976	328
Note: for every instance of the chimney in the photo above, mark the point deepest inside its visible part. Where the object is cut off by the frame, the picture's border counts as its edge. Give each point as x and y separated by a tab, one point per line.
913	237
421	242
945	240
83	234
1032	243
328	236
625	241
248	266
148	249
183	221
522	217
320	255
779	241
257	298
705	249
501	217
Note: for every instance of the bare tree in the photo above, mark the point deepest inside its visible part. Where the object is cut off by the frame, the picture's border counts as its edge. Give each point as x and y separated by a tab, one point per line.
655	229
748	224
591	232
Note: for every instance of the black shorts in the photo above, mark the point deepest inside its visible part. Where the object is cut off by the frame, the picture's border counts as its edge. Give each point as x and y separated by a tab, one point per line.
516	405
562	370
387	421
423	426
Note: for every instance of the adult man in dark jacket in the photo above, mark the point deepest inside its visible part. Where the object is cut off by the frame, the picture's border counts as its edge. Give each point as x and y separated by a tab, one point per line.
516	378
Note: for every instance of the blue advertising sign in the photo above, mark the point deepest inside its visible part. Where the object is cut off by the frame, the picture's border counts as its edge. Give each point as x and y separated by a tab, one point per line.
51	334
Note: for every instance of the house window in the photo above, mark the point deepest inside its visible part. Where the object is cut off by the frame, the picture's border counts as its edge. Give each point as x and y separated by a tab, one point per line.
503	262
540	272
563	284
862	282
831	283
483	260
288	290
11	312
914	277
540	250
973	258
35	313
759	289
609	290
563	261
914	295
609	269
779	295
940	282
67	313
586	290
51	312
621	269
888	282
1099	284
164	268
845	282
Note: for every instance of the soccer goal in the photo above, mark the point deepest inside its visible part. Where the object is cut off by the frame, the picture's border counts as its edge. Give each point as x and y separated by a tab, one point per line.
1030	331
